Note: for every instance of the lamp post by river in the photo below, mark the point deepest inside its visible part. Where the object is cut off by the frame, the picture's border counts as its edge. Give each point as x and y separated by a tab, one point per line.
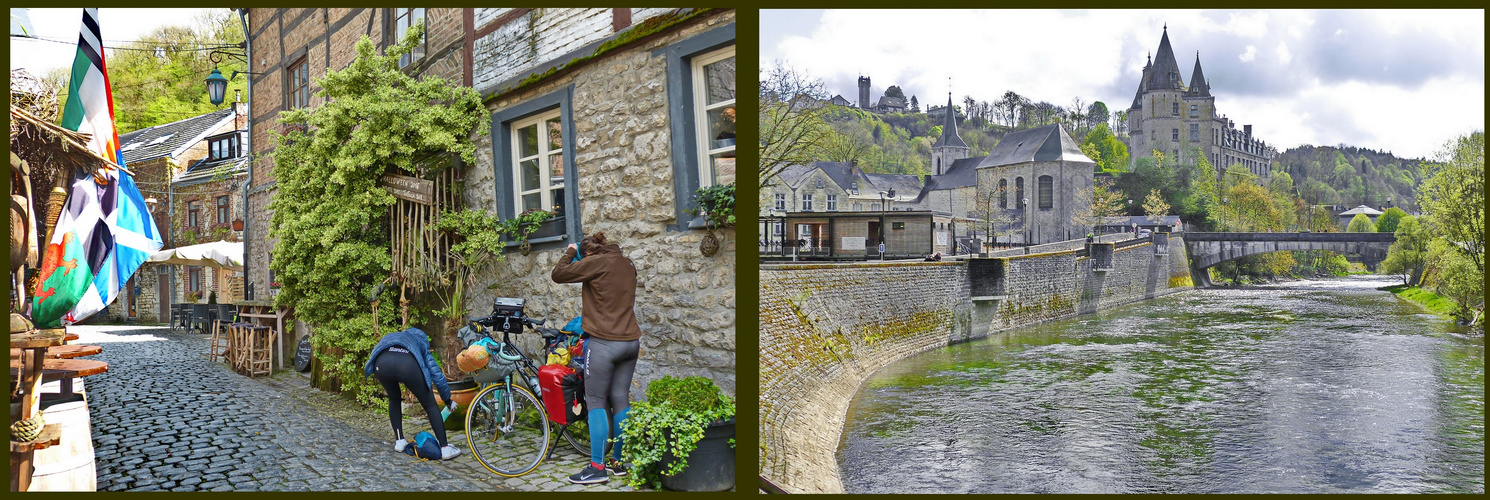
1025	204
885	198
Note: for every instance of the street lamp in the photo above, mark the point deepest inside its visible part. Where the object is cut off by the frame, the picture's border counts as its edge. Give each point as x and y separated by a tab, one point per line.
1224	201
1025	202
885	198
217	85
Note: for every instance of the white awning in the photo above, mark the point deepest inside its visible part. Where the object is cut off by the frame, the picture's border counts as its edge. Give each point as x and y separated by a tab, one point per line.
219	254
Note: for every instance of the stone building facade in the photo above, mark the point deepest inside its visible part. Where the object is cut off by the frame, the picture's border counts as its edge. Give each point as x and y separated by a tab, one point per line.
632	107
639	104
1044	166
289	50
194	170
1174	118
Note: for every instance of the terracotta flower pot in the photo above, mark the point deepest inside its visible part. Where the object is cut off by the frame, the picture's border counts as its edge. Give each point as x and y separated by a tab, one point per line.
238	225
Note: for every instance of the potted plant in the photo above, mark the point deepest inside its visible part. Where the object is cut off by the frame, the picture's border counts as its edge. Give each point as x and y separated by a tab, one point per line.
716	204
237	224
682	436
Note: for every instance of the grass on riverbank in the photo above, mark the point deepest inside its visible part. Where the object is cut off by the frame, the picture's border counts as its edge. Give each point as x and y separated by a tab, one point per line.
1433	302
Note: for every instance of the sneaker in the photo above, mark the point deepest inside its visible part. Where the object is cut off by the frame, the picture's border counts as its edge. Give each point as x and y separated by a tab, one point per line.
399	445
617	468
589	475
449	452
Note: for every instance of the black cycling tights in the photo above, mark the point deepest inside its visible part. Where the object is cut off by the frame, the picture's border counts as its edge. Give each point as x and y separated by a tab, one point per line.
393	368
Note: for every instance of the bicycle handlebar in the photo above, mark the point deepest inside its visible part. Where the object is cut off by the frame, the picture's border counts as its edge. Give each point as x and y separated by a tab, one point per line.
493	320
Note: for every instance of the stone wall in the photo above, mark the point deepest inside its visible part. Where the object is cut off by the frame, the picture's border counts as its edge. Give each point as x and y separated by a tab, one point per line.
685	302
826	328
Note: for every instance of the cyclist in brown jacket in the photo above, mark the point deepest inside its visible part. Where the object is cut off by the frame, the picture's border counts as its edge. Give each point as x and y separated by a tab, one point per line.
608	297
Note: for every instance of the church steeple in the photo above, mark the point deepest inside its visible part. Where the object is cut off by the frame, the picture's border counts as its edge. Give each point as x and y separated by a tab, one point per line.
949	146
1198	84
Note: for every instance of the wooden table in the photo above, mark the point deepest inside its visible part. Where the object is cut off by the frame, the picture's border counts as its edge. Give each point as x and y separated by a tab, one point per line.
258	312
68	351
62	371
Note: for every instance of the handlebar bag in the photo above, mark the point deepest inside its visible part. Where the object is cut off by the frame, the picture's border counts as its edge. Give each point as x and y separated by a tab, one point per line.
549	378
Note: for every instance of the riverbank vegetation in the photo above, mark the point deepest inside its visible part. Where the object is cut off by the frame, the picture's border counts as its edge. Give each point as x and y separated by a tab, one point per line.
1433	302
1444	250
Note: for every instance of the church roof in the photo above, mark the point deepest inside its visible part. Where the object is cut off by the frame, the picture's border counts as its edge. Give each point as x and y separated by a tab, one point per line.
1198	85
949	135
962	173
1047	143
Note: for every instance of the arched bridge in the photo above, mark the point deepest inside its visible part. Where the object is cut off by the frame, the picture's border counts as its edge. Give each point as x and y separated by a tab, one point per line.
1209	249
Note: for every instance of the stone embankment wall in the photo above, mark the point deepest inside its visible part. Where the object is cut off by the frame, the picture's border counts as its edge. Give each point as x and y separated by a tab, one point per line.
825	328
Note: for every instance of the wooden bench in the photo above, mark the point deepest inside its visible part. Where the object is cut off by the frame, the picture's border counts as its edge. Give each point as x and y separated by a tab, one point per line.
62	371
62	352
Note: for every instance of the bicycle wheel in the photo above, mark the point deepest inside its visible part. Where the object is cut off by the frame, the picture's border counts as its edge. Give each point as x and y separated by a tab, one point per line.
578	436
507	430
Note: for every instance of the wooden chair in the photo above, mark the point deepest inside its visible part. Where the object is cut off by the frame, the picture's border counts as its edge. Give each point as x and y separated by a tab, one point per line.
226	316
260	340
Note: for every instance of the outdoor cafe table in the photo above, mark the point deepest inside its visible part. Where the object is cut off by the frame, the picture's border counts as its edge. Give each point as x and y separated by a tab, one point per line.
260	312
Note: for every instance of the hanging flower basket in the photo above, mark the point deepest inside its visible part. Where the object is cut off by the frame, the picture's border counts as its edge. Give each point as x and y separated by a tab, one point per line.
238	225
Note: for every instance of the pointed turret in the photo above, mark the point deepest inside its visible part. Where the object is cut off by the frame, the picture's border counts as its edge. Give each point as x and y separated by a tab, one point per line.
949	135
1198	84
1166	71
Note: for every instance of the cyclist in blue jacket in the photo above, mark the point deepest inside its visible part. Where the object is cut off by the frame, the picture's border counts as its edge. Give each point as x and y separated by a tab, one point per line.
404	358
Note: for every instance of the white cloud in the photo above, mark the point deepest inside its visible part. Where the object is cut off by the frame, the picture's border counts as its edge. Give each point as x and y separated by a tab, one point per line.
1410	105
39	57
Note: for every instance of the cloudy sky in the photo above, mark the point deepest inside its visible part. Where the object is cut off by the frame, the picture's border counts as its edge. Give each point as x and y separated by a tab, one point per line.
40	56
1402	81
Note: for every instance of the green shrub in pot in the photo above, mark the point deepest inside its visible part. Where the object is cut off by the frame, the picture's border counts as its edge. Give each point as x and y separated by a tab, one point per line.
671	421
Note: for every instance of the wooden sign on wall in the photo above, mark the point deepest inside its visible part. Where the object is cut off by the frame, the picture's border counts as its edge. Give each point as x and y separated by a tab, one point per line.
409	188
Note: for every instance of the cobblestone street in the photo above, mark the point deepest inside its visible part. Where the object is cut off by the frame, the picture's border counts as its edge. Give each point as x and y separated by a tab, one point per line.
166	418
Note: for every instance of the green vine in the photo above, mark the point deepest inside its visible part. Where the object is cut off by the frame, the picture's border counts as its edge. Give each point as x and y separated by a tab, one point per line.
331	217
670	422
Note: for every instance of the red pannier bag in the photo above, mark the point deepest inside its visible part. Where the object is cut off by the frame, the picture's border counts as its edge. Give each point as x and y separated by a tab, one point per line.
550	379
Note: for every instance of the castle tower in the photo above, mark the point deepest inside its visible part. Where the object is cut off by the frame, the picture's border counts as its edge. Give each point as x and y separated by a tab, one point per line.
864	92
949	146
1198	85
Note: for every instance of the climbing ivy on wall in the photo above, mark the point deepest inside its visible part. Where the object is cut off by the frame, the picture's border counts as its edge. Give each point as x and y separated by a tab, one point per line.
331	218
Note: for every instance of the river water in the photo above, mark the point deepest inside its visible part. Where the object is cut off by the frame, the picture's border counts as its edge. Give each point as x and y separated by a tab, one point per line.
1311	387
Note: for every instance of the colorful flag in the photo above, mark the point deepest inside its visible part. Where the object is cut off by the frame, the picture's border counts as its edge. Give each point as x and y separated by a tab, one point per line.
105	233
90	105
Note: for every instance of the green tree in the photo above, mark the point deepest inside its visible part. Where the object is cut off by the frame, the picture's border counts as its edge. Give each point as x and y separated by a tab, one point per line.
1360	224
1155	207
330	216
1097	114
1409	255
894	91
1387	222
1453	196
1112	152
158	78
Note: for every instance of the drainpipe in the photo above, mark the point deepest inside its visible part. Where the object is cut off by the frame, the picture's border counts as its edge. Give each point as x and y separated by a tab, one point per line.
247	144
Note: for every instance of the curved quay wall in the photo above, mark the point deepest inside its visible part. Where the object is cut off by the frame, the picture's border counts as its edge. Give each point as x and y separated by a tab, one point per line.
825	328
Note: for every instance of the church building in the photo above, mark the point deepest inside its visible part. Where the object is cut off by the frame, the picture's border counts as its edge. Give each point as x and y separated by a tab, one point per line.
1174	118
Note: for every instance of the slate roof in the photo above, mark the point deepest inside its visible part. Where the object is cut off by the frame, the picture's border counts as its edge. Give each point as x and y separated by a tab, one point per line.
1198	85
891	102
905	185
206	170
1047	143
163	140
962	173
949	135
1166	71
